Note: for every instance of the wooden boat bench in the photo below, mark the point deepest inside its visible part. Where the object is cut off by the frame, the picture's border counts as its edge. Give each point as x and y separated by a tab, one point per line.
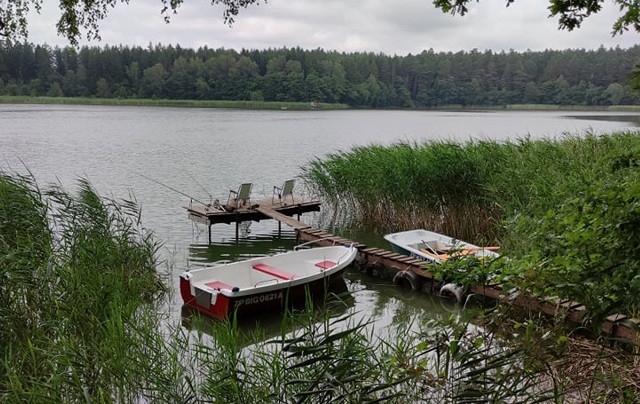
218	285
278	273
326	264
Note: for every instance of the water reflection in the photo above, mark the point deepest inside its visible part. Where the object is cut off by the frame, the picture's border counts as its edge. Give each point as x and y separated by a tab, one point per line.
246	246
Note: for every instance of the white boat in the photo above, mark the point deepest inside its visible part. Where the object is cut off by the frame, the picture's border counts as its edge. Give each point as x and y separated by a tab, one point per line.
435	247
264	283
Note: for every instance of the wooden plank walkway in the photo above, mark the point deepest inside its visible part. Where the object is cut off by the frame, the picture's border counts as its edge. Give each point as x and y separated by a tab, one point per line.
288	220
616	325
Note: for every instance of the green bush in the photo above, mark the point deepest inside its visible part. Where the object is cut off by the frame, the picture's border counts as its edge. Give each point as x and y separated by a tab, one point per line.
588	248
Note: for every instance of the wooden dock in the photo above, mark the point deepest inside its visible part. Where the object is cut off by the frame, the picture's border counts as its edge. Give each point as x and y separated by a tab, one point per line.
413	272
410	271
256	211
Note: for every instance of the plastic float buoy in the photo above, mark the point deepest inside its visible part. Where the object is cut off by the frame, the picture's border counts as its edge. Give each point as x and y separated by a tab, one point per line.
452	290
407	278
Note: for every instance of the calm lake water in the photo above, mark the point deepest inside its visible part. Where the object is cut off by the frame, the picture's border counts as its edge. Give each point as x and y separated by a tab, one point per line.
204	153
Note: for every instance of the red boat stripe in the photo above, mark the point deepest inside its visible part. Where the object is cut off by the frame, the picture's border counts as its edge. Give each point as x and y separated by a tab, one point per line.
268	269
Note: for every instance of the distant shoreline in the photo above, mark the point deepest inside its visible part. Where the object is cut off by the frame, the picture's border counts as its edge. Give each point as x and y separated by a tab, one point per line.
294	106
258	105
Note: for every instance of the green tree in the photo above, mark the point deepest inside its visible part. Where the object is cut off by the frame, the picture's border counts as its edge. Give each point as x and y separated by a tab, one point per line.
614	92
102	88
55	90
153	79
570	13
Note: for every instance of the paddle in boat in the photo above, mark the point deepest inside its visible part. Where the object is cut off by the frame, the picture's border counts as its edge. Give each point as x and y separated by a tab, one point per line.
263	284
435	247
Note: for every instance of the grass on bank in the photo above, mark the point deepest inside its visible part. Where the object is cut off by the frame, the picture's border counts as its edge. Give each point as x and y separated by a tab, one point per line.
283	105
566	211
257	105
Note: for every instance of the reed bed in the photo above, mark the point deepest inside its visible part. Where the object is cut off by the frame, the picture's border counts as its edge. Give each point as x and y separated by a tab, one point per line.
564	209
77	275
406	185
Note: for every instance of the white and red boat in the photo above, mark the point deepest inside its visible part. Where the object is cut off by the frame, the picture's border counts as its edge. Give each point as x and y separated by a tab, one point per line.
264	283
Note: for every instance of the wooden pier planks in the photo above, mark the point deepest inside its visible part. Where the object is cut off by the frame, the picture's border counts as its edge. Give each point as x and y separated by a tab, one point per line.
211	215
289	221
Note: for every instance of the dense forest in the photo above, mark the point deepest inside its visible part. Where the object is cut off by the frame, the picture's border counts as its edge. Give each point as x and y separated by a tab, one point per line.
427	80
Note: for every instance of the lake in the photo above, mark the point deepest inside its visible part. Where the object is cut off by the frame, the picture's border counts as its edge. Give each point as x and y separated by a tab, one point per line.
166	155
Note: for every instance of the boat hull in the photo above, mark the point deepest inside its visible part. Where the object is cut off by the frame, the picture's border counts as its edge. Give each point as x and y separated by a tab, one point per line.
426	245
264	284
259	303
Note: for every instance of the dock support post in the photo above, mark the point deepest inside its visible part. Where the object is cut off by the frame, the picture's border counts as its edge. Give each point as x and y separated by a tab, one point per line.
209	232
279	228
237	229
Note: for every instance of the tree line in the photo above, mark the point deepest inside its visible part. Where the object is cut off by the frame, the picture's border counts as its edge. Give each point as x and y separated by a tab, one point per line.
426	80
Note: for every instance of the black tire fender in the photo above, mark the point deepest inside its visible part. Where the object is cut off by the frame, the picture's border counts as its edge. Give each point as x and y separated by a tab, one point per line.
407	278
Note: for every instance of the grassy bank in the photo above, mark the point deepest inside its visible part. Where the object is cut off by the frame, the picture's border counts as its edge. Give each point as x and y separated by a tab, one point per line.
77	279
266	105
566	211
278	105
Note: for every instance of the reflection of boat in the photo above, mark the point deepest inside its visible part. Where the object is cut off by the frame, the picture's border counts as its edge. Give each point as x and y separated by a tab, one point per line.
435	247
263	284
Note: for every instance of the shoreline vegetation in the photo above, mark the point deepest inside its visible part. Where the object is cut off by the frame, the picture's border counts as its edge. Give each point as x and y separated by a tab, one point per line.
293	106
81	290
145	102
565	211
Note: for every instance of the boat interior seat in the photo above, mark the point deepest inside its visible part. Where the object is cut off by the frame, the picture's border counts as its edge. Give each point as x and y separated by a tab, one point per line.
218	285
278	273
431	253
326	264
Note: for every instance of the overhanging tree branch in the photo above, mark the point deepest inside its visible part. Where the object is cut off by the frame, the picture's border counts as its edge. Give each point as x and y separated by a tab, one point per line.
85	15
570	13
79	15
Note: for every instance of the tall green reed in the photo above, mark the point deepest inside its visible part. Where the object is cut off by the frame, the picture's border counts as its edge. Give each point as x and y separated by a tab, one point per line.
437	185
76	272
327	358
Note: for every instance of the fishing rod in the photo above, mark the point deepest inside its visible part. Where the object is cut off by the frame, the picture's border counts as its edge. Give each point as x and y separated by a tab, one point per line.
200	185
171	188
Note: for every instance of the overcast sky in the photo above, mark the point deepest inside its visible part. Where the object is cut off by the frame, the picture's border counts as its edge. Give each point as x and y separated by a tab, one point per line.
392	27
